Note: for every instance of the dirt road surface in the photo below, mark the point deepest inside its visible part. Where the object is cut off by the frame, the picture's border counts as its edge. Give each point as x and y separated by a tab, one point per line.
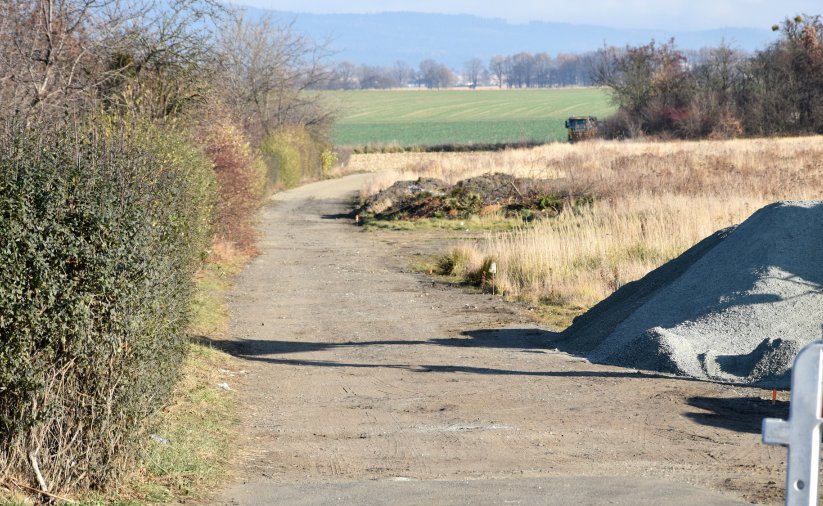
366	383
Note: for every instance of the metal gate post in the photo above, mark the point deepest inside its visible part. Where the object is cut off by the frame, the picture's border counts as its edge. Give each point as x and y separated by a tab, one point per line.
801	432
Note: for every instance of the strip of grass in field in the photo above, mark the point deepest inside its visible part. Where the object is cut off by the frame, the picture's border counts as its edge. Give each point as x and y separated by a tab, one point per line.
435	117
493	223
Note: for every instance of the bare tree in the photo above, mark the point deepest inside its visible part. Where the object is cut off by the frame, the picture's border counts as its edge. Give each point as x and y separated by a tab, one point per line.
498	67
343	77
372	77
803	43
435	75
722	69
51	51
782	88
169	59
474	69
632	73
542	69
403	73
268	71
522	70
58	54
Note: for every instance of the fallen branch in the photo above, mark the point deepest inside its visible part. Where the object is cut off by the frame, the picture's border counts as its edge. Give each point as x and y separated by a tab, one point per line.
518	191
47	494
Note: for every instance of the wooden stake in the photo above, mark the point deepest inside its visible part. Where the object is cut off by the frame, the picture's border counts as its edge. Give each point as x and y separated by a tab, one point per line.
43	485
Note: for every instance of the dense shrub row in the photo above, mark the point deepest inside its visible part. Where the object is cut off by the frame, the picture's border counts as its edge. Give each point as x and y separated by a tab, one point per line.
104	223
101	228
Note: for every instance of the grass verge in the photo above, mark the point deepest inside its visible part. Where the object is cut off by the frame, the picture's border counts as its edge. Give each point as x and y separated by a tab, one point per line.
191	450
188	457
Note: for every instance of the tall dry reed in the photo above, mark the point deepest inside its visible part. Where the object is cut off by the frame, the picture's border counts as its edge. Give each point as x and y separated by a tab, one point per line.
581	257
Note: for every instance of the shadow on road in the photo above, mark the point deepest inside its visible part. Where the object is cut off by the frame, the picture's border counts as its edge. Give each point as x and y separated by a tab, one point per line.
504	338
338	216
740	414
533	340
530	340
462	369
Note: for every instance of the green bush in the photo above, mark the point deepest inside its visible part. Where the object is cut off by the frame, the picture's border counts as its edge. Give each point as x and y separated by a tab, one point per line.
328	159
292	154
101	230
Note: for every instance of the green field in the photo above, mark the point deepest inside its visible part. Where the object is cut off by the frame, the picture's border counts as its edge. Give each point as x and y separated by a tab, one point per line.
437	117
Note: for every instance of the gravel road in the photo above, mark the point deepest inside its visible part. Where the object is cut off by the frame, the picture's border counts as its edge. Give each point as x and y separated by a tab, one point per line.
366	383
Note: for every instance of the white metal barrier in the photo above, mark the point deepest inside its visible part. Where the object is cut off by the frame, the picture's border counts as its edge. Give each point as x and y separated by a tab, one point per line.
801	432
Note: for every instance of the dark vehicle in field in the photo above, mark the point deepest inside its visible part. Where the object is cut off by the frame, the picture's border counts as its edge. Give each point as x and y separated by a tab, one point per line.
581	128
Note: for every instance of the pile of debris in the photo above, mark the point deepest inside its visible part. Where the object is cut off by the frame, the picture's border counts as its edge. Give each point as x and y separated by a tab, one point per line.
737	307
479	196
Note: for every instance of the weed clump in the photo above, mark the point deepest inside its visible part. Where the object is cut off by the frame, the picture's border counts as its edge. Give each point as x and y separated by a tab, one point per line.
459	261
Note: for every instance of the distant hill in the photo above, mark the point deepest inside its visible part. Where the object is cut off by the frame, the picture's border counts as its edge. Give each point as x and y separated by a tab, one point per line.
382	39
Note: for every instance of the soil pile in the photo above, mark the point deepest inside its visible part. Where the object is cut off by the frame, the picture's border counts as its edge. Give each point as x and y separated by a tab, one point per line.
736	307
482	195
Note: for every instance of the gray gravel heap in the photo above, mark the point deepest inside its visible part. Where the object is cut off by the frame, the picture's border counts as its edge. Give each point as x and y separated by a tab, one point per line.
735	308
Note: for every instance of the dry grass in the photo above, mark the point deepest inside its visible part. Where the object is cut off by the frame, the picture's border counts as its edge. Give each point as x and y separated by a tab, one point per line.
197	430
653	201
766	165
579	258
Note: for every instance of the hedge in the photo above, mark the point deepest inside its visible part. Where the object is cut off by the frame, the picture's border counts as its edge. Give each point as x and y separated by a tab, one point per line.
101	228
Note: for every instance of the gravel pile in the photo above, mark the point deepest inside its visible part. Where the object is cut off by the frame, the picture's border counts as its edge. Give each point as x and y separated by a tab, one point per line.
737	307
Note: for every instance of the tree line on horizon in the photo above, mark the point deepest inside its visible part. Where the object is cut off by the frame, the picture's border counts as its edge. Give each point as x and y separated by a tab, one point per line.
659	89
520	70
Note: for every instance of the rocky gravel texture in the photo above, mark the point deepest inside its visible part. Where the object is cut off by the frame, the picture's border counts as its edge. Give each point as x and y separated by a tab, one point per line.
735	308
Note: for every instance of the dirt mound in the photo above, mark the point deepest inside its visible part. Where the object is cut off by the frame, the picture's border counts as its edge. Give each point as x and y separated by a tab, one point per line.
401	194
486	194
736	307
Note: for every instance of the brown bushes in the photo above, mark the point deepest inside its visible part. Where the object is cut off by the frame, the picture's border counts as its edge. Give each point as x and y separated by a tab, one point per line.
719	92
240	181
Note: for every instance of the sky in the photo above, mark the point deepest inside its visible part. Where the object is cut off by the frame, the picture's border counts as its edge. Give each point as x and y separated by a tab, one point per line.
649	14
